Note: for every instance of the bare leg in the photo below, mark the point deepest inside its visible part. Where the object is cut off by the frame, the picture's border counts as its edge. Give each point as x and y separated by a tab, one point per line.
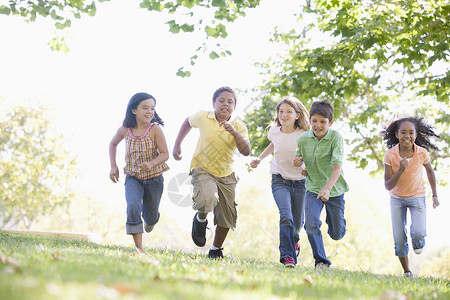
137	237
221	234
405	263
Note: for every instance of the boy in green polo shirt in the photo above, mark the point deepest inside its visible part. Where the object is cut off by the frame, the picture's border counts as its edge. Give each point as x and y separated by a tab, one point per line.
321	149
211	167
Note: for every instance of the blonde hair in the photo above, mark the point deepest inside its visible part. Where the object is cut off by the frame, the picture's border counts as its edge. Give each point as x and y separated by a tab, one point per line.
303	121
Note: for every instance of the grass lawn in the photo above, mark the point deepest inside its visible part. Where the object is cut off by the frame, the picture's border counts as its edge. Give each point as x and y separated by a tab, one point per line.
37	267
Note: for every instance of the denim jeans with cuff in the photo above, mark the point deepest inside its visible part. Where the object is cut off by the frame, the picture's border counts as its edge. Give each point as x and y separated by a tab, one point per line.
143	198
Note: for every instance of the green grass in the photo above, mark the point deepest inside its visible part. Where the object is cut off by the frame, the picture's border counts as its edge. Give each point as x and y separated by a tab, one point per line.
36	267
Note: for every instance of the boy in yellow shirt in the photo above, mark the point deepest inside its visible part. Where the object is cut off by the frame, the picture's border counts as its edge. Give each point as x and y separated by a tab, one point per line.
213	179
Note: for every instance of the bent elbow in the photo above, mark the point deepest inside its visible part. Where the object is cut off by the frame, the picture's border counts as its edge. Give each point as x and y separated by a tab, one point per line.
387	187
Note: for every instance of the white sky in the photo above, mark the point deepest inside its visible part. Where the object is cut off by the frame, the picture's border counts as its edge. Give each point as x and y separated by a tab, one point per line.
123	50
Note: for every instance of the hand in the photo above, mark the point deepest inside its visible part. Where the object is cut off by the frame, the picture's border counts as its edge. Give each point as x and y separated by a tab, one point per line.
254	163
304	172
403	164
114	174
297	161
176	152
228	127
324	194
435	201
146	166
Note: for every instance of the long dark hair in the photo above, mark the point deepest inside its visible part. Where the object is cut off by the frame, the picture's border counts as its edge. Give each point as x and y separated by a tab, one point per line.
423	130
130	118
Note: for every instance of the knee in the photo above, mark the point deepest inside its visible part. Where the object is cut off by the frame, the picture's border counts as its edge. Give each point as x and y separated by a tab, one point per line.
286	219
337	234
311	226
133	209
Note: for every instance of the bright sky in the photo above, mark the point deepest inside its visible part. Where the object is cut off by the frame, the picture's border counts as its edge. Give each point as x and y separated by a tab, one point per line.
123	50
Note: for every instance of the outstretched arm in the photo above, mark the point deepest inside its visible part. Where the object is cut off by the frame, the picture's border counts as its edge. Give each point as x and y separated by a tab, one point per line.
255	162
118	137
184	130
432	179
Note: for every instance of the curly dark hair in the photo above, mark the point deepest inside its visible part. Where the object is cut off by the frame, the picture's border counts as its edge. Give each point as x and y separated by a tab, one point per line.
424	133
130	118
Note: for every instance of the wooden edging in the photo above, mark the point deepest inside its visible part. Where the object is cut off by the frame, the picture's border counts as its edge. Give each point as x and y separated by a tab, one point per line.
91	237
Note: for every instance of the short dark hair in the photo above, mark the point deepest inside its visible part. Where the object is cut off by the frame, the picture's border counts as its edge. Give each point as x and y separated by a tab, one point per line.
322	108
130	118
224	89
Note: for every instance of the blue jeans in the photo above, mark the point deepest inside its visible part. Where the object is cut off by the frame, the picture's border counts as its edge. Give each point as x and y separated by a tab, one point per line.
289	196
417	209
334	207
143	197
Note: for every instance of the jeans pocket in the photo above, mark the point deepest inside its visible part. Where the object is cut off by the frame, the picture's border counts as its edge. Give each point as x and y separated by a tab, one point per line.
158	178
276	179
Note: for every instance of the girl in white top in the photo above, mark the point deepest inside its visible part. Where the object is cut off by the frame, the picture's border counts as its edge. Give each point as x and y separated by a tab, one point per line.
288	182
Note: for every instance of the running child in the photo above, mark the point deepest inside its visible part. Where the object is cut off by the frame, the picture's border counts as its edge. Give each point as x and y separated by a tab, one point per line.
213	178
288	183
408	140
322	151
146	153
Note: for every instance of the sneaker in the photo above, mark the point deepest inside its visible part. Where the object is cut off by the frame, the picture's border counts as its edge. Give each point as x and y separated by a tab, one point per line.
408	274
418	251
297	249
148	228
199	232
214	254
288	262
321	266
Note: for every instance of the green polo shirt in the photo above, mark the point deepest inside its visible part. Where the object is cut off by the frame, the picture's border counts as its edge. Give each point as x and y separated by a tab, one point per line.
319	158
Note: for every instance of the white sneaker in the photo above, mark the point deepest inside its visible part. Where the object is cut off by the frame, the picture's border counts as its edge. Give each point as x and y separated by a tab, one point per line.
408	274
321	266
418	251
148	228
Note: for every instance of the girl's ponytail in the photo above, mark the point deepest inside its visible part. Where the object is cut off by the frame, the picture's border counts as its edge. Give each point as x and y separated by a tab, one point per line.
156	119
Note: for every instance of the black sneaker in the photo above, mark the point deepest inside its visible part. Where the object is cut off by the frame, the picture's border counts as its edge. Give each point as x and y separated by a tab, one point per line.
214	254
199	232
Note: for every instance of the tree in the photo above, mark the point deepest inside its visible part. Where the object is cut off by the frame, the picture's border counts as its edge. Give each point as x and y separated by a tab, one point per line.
35	170
377	60
206	16
62	12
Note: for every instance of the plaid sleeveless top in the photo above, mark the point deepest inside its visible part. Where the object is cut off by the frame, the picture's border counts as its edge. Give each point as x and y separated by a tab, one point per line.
140	149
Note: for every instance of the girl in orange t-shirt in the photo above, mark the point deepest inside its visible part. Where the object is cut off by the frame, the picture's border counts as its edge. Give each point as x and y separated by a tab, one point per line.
408	140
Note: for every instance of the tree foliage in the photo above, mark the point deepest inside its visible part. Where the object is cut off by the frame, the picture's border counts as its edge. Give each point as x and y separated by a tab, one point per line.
61	12
208	17
377	60
34	168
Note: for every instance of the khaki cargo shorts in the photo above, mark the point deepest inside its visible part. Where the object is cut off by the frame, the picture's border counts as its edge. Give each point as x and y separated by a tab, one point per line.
212	193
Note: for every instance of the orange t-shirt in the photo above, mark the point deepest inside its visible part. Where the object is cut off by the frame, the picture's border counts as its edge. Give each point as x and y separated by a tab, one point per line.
410	183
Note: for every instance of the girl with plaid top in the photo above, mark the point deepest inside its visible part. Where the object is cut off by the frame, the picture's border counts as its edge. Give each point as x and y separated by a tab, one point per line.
146	153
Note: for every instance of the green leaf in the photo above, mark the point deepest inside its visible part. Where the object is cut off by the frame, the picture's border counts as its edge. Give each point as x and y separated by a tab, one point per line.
4	10
182	73
213	55
187	28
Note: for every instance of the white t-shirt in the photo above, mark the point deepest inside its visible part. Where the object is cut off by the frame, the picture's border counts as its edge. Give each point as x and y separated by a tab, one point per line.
284	152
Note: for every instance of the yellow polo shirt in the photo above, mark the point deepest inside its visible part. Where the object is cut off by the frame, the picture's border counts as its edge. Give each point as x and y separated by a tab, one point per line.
215	146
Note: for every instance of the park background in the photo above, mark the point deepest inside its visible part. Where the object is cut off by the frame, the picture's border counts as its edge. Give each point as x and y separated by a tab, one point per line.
123	50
